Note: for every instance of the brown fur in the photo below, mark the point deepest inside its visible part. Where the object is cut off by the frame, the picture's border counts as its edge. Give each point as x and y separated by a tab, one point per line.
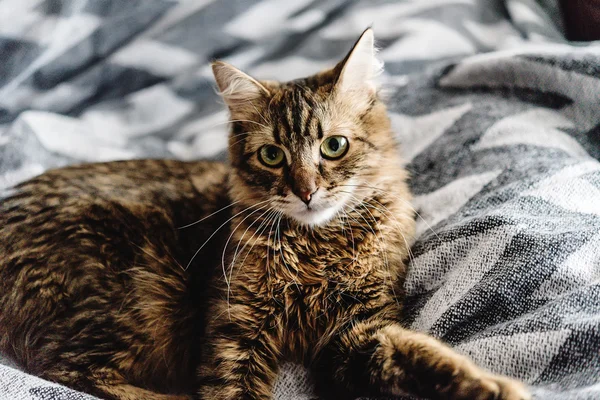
92	293
96	292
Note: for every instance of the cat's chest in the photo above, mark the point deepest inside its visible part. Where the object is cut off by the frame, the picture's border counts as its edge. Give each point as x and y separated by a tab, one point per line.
317	292
305	274
311	286
319	261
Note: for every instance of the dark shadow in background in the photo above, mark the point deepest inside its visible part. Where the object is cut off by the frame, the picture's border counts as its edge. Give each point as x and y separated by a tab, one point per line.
582	19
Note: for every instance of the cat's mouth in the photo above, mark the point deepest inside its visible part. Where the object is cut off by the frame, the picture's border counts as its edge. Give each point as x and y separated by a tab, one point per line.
318	212
313	216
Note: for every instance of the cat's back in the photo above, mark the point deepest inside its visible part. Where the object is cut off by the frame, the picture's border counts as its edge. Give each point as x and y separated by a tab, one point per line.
129	180
44	212
50	198
84	251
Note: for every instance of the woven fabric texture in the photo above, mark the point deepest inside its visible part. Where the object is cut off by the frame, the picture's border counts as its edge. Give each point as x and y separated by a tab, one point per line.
497	113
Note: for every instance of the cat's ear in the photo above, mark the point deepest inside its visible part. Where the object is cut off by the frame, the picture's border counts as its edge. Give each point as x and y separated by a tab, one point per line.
238	89
361	67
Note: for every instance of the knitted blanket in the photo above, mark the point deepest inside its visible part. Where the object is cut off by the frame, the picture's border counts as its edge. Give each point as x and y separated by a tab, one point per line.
498	116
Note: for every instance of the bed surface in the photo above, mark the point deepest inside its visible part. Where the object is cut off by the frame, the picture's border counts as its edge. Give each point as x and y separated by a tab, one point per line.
498	116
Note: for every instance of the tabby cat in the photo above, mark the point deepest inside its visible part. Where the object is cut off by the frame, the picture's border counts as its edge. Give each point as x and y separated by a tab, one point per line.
172	280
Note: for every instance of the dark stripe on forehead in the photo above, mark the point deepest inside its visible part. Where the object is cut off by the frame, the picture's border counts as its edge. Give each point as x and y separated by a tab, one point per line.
319	130
276	133
310	105
297	109
306	131
237	140
283	118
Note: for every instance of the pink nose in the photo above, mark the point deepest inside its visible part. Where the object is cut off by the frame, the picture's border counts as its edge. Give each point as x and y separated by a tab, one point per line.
306	195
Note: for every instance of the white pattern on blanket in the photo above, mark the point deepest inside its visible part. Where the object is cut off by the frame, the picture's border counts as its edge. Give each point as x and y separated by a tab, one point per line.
497	112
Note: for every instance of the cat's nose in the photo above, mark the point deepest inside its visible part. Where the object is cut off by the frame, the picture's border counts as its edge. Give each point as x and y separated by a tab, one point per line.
304	184
306	195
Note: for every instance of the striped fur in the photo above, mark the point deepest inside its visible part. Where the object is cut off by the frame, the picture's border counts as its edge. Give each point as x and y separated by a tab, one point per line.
107	283
324	294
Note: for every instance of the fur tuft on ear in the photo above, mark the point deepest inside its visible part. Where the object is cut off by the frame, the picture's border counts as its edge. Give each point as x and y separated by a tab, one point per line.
237	88
361	67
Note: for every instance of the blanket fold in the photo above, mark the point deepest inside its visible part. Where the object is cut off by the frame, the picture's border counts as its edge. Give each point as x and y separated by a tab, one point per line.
496	111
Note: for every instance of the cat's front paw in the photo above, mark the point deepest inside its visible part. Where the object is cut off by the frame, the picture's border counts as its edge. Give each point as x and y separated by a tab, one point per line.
491	387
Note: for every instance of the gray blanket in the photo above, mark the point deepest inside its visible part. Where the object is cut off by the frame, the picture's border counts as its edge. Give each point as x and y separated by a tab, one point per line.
498	115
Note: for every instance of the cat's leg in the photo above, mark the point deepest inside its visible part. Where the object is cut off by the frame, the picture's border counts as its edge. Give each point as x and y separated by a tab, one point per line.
110	384
241	355
383	358
107	383
129	392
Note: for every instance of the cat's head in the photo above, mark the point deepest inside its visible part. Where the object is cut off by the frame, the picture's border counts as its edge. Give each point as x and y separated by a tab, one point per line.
304	147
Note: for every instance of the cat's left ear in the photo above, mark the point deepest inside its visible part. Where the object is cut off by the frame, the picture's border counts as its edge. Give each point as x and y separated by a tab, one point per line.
239	90
361	67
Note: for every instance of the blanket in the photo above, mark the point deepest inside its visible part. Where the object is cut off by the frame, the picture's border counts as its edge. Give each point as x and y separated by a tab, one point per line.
497	113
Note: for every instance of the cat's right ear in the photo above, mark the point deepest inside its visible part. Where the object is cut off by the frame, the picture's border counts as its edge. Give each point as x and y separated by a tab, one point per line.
239	90
359	70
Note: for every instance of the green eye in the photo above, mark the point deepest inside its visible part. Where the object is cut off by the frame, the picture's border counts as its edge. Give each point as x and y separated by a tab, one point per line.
271	156
334	147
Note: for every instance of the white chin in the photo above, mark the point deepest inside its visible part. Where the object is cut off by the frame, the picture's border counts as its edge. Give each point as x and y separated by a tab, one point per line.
314	217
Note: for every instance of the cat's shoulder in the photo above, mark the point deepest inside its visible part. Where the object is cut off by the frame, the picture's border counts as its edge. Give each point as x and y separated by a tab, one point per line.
120	175
152	169
152	182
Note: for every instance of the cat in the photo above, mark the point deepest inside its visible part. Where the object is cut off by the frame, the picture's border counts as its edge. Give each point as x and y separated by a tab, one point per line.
164	280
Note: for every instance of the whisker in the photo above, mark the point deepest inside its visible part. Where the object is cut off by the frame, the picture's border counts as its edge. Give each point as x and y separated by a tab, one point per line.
156	258
281	252
394	220
269	242
229	239
236	252
246	120
239	141
339	217
236	249
239	134
265	223
401	199
259	114
403	238
227	121
378	237
352	236
218	229
246	231
386	259
209	215
410	254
